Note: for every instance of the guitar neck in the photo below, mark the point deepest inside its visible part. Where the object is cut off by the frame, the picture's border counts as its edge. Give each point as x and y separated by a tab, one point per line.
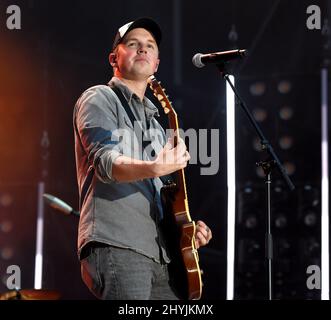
181	184
159	93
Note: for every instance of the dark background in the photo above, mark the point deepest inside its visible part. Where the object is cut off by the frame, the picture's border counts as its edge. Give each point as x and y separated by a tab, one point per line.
63	48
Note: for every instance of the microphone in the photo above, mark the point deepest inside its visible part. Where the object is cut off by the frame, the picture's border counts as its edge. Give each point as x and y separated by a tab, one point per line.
60	205
200	59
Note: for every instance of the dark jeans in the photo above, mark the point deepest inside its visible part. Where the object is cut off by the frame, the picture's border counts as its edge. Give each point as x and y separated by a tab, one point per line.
113	273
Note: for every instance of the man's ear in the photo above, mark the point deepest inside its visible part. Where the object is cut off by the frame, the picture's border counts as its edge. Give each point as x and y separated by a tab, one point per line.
112	59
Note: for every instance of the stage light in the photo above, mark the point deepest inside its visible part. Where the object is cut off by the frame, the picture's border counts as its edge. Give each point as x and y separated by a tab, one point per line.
248	194
286	142
283	248
6	199
280	221
289	167
257	88
248	190
250	249
6	226
311	248
259	114
248	212
4	278
325	209
311	196
7	253
279	281
259	172
231	186
310	218
295	215
251	221
286	113
284	86
279	190
38	272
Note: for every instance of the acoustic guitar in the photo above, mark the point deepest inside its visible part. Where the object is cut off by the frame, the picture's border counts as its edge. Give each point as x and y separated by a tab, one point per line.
179	227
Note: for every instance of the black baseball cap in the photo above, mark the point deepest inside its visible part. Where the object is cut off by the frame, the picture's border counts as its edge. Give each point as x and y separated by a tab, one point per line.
145	23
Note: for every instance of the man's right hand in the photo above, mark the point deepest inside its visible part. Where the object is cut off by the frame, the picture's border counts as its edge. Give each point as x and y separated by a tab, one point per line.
171	158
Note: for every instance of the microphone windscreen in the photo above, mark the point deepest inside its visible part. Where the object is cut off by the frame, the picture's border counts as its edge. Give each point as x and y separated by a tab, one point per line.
196	60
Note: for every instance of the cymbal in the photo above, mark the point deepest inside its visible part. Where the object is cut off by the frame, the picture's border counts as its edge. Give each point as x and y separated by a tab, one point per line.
31	294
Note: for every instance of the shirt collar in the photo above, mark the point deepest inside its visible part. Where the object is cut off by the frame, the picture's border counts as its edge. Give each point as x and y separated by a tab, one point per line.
151	110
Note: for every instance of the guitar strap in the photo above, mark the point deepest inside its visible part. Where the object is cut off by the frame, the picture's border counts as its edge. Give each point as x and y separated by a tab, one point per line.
165	179
129	112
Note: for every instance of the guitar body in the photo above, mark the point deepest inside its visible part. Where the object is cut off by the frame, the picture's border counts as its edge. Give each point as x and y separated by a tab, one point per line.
184	266
179	228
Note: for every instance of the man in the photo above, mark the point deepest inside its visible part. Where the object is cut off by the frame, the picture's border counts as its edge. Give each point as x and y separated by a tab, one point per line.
122	250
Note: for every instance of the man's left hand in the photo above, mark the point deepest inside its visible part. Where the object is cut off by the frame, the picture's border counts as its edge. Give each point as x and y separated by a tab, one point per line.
203	234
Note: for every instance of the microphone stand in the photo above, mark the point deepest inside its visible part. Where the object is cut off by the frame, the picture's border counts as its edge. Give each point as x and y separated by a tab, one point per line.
267	166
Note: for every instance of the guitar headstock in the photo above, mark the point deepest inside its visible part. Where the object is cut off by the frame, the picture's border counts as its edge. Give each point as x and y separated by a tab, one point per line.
159	93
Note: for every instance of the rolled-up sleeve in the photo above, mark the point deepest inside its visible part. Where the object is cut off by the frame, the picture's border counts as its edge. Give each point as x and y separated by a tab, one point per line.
96	124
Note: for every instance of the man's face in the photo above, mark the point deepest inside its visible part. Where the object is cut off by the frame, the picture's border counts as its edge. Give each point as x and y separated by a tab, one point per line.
136	57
